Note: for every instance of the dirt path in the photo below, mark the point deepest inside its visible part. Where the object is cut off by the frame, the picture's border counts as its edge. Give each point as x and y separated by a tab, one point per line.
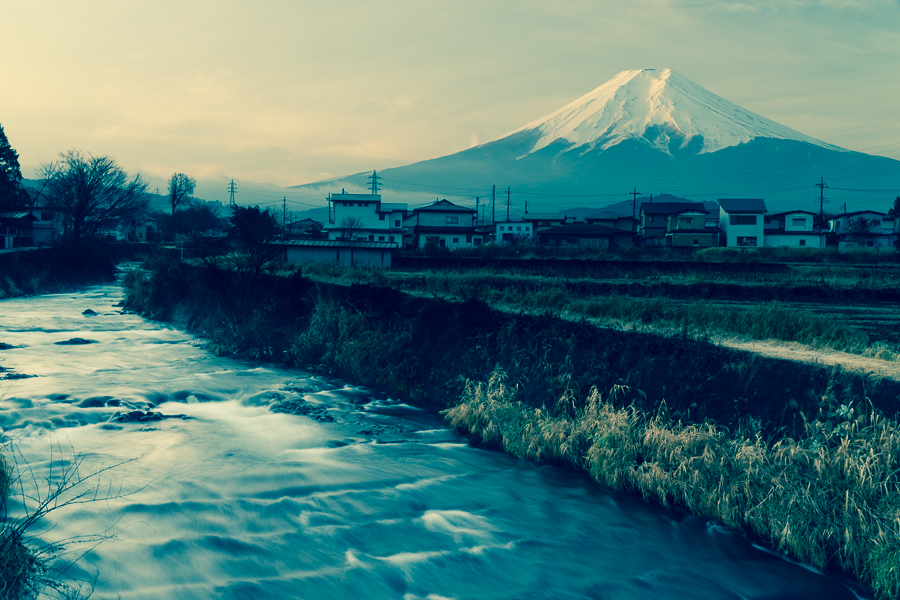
772	348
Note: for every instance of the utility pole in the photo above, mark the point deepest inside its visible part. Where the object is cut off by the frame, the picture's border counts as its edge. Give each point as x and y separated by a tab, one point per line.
157	190
231	190
493	204
634	194
328	200
477	216
284	214
821	185
507	204
373	178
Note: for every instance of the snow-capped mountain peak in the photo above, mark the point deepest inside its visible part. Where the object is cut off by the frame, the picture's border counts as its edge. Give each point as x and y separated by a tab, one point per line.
660	107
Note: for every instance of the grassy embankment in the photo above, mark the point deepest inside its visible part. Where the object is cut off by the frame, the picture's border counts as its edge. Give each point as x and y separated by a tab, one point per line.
754	304
800	456
56	269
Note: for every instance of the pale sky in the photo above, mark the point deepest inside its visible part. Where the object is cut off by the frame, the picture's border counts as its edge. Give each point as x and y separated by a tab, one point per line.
285	92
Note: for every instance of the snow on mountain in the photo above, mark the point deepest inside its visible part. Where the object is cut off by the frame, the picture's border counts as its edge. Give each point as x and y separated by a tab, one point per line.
660	107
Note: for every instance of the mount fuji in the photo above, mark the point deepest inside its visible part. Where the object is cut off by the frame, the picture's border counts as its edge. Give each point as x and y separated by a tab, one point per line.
653	131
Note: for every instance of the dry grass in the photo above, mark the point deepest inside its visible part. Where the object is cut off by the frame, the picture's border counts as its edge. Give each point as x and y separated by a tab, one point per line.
831	499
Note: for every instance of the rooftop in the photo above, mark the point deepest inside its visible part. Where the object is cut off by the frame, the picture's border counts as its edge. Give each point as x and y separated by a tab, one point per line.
743	205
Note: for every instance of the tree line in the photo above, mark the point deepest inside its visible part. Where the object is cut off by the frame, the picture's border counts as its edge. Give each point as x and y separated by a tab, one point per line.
92	196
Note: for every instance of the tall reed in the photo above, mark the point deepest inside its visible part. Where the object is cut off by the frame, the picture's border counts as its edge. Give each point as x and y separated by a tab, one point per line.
831	499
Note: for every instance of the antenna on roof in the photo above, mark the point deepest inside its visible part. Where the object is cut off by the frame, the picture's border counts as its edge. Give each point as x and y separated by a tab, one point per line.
373	182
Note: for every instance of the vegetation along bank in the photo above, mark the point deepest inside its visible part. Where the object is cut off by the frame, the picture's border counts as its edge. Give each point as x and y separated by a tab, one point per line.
799	455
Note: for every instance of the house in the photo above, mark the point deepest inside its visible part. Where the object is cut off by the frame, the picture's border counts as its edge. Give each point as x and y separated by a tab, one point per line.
583	235
793	229
653	222
687	228
741	221
365	217
510	232
539	220
304	227
864	230
17	229
612	219
445	225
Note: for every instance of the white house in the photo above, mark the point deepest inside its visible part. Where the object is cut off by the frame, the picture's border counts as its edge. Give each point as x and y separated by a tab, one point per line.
741	222
445	225
793	229
864	230
365	217
508	232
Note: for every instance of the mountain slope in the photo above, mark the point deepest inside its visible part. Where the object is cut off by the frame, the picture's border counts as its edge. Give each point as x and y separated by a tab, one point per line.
655	132
661	107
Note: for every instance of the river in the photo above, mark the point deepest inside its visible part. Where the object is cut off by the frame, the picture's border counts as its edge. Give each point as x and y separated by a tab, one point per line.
361	497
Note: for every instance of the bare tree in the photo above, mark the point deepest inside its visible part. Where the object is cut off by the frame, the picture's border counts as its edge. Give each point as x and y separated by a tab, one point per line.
181	187
92	194
350	227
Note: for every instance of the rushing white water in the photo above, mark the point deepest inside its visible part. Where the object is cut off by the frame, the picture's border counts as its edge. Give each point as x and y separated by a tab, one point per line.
237	501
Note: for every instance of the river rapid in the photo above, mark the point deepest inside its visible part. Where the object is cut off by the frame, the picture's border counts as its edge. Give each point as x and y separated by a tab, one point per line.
347	494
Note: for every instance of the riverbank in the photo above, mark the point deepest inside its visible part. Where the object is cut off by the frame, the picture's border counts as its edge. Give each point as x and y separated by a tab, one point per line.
56	269
705	405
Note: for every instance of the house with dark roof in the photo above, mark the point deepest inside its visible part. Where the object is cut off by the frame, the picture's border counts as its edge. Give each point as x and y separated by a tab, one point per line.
793	229
539	220
741	221
688	229
612	219
445	225
584	235
653	222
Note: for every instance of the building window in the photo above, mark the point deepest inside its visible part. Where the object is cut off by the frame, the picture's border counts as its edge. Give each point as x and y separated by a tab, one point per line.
452	220
392	238
380	238
371	237
746	241
396	223
381	217
798	222
518	229
501	228
455	240
742	220
650	219
802	243
365	205
468	239
477	241
696	241
685	221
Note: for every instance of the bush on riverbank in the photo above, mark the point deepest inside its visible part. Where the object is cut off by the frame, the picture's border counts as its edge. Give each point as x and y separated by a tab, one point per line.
831	499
